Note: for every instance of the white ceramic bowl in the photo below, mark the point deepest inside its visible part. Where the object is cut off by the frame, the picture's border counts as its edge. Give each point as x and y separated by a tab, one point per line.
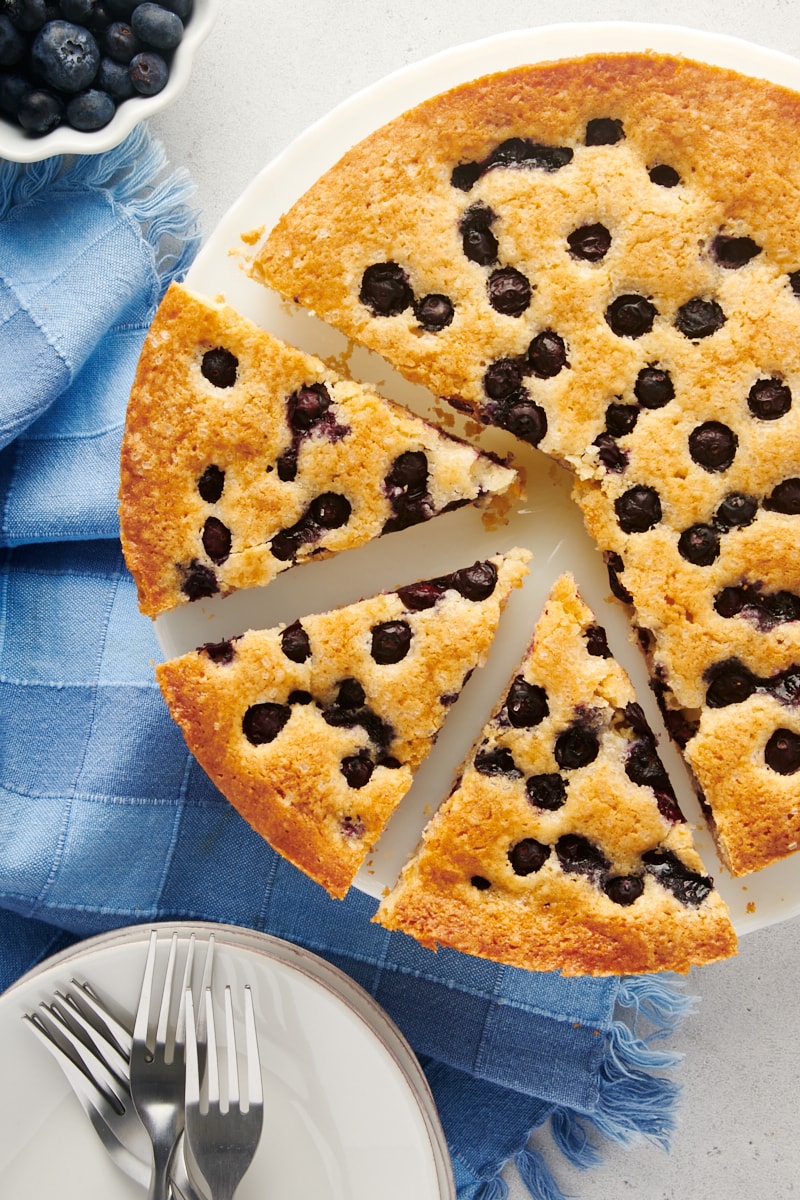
18	146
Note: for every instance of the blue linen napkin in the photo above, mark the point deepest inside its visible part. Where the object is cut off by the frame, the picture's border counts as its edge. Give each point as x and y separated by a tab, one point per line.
107	820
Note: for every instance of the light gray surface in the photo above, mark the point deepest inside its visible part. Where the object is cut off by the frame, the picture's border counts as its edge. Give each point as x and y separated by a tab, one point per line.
267	72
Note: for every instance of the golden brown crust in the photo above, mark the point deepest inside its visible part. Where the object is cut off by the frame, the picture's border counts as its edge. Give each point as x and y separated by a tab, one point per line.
725	136
551	918
291	789
178	424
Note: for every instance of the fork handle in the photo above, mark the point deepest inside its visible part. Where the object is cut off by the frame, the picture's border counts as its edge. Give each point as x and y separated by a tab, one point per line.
159	1181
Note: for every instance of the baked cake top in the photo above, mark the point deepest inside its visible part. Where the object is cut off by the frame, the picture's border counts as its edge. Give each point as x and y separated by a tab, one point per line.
313	731
562	845
243	456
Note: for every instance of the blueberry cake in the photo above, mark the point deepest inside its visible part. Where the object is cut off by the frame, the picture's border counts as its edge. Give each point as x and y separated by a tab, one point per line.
606	264
313	731
242	456
562	845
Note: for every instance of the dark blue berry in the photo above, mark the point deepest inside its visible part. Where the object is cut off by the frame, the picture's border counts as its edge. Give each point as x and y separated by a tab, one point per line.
12	43
295	643
13	88
183	8
90	110
528	856
219	366
385	289
114	78
263	722
30	15
216	540
211	483
149	73
78	11
157	26
65	55
40	111
120	42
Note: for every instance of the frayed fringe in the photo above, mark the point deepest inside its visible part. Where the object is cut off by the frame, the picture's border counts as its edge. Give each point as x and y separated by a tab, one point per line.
492	1189
537	1178
127	174
632	1101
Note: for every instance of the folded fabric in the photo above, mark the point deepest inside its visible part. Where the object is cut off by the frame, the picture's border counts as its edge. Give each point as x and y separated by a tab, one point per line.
105	818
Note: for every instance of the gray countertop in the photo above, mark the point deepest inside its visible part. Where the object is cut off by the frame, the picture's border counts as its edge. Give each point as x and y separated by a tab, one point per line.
267	72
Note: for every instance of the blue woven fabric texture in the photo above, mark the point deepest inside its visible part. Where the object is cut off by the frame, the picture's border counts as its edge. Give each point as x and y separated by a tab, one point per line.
107	820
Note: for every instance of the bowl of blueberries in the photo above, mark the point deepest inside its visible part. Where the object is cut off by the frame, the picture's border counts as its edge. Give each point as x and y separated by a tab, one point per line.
77	75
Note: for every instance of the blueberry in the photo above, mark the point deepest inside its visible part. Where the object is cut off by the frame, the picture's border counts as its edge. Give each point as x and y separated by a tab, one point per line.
699	318
299	696
596	641
353	827
199	581
576	747
653	387
526	419
509	291
216	540
121	10
589	242
65	55
730	682
638	509
157	26
613	458
222	653
624	889
30	15
211	483
120	42
219	366
90	110
631	315
604	131
114	78
578	855
418	596
523	152
528	856
263	722
476	582
79	11
434	312
526	704
287	465
465	176
621	419
409	470
769	399
391	641
699	544
477	240
149	73
546	791
664	175
713	445
785	498
644	767
12	44
357	770
385	289
782	752
295	643
480	882
687	886
330	510
615	566
183	8
350	694
39	111
307	405
547	354
13	89
732	252
499	761
736	511
502	379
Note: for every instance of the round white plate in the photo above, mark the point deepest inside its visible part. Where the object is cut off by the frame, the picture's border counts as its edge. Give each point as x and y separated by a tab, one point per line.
547	523
347	1111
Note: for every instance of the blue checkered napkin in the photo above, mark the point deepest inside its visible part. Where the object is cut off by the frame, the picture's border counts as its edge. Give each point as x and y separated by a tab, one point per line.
106	819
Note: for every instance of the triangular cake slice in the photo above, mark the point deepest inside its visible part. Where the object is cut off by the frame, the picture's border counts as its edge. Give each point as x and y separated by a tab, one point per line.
314	731
243	456
562	845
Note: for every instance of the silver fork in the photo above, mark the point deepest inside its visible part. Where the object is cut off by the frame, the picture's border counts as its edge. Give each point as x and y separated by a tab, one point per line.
92	1048
157	1071
224	1137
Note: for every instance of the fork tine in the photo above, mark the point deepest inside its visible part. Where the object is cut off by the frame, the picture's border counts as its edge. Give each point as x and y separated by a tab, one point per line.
192	1068
180	1025
67	1012
205	984
255	1087
90	1065
212	1066
142	1021
230	1042
166	995
109	1023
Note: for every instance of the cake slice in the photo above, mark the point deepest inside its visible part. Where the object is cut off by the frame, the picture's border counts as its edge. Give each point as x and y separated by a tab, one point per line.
562	846
243	456
314	731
